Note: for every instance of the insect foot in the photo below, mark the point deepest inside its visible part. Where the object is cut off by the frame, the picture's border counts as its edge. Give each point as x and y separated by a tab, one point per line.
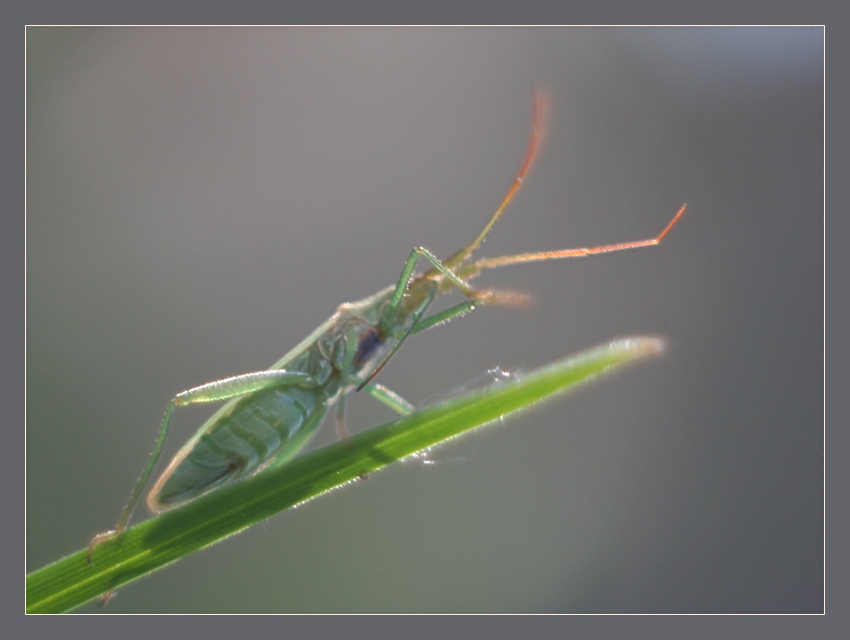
100	537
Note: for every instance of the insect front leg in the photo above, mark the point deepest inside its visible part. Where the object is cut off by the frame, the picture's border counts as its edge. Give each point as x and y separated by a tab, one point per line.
446	278
211	392
438	267
451	278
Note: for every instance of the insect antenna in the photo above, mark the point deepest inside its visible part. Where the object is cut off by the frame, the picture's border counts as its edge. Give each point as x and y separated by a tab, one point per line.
541	104
538	256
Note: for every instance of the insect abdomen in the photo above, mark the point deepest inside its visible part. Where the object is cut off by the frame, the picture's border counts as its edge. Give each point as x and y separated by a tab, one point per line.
237	443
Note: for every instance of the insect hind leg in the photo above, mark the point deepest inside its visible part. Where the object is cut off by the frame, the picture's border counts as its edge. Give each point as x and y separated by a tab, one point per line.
211	392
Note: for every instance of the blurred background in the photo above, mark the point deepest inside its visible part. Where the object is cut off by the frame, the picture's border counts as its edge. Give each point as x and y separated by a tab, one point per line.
200	199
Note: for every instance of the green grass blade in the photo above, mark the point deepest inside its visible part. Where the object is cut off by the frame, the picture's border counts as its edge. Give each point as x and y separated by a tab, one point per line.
71	581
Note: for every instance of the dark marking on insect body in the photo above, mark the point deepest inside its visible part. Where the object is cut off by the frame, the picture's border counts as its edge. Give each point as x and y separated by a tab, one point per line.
369	343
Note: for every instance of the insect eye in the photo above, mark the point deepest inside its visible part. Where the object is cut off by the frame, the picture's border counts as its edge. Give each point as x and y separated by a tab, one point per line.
370	342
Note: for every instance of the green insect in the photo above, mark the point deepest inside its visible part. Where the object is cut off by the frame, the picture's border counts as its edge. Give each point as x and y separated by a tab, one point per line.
271	415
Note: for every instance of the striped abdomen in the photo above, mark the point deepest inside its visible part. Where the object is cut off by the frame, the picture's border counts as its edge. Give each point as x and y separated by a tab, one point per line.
238	440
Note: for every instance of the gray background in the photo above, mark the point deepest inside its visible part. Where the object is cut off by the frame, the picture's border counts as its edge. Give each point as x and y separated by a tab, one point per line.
199	199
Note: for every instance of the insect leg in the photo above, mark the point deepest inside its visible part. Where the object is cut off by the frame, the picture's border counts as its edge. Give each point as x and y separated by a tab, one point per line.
210	392
475	296
390	398
488	296
351	343
445	315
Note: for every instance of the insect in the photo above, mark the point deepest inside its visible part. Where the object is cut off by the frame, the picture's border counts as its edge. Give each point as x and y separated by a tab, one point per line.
271	415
